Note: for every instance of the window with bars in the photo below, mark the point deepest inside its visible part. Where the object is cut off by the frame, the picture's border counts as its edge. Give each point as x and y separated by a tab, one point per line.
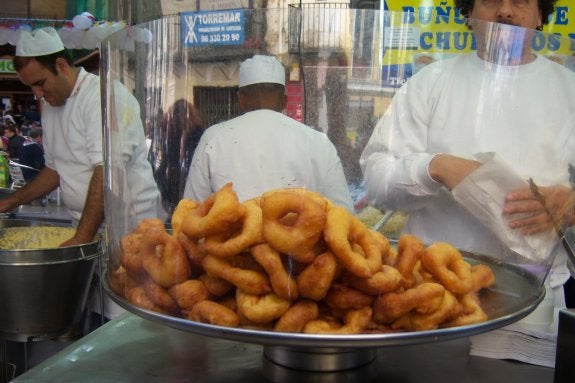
216	104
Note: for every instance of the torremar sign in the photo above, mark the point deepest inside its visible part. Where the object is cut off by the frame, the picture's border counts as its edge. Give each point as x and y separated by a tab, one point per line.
225	27
6	66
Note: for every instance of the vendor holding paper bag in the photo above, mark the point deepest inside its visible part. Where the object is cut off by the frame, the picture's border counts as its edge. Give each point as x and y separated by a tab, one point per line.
464	135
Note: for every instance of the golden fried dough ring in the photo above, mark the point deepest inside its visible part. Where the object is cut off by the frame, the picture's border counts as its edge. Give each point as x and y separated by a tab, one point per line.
341	230
387	257
138	297
261	308
449	308
314	281
216	286
159	296
182	210
252	282
293	221
446	264
384	281
164	259
423	298
214	215
409	251
214	313
472	312
131	255
354	322
282	283
188	293
120	280
297	316
194	250
228	244
148	224
342	297
483	276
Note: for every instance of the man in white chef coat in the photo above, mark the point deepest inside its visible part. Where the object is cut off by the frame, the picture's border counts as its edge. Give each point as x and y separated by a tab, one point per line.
263	149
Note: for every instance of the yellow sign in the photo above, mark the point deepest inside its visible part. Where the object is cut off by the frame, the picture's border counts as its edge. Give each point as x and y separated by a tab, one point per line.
442	28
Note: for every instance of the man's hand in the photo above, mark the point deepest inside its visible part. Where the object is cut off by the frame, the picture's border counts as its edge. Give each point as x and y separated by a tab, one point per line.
526	213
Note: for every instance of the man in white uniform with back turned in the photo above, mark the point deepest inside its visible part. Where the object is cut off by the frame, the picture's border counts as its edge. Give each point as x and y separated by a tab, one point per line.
72	122
264	149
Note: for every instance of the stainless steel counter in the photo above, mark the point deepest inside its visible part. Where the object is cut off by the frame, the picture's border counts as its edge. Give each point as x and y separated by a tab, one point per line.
132	349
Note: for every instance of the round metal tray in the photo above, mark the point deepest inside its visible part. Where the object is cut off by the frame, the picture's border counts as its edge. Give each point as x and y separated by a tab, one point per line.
515	294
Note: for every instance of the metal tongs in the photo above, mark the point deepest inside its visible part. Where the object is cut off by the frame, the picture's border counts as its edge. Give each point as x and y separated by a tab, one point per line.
567	236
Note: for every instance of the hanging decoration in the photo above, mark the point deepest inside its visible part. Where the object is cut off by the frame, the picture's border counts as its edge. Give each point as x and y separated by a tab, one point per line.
82	32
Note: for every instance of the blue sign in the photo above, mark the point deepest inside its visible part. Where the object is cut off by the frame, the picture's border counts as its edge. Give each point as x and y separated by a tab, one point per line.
225	27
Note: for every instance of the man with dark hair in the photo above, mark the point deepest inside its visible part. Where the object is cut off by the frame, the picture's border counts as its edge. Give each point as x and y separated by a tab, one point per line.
462	137
72	121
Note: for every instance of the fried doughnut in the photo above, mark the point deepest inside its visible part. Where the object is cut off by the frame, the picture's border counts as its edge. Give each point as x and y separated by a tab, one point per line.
194	250
354	322
131	255
282	283
164	259
182	210
120	280
214	313
423	299
252	282
472	312
341	230
342	297
314	281
409	250
446	264
261	308
383	246
483	276
297	316
293	221
216	286
148	224
449	308
214	215
384	281
188	293
159	296
138	297
231	243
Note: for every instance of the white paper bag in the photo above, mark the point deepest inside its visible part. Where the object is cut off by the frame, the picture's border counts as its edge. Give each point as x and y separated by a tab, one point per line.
483	193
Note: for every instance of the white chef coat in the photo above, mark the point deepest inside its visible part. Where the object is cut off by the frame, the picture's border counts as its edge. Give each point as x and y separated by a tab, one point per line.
463	106
73	146
264	150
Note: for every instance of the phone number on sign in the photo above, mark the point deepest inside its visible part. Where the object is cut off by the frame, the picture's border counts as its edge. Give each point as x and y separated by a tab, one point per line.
222	37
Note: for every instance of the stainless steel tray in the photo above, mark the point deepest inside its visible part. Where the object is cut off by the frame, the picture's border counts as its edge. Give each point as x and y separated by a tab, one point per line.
515	294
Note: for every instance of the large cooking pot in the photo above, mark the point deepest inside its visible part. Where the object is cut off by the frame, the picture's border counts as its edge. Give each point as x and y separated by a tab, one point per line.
43	293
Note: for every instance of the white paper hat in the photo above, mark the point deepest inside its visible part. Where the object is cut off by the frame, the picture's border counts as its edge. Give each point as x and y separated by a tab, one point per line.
39	42
261	69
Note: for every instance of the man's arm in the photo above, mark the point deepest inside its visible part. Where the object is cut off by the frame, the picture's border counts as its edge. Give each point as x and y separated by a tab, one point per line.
93	213
45	181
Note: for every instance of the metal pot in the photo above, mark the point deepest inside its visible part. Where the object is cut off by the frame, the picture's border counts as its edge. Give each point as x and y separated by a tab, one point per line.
43	293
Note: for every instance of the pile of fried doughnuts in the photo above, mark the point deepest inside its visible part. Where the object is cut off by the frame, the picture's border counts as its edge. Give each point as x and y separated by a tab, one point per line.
292	261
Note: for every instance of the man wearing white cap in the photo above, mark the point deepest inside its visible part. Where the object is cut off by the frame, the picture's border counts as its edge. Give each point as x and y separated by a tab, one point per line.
264	149
72	121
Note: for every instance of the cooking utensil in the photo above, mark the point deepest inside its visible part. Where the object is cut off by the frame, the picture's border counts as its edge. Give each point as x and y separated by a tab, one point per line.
43	293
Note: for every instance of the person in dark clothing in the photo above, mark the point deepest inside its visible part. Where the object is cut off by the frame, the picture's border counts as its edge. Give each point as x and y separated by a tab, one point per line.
15	141
32	154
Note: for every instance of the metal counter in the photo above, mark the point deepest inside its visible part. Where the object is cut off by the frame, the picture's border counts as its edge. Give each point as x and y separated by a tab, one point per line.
132	349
